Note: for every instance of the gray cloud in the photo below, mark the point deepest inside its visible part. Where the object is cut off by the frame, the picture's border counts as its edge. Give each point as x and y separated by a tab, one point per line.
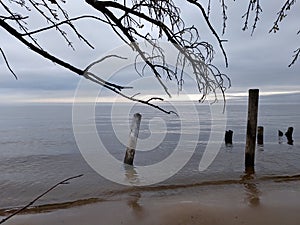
254	61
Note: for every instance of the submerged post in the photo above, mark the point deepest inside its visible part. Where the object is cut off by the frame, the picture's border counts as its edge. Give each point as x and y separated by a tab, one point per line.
133	135
280	135
228	137
251	129
289	135
260	135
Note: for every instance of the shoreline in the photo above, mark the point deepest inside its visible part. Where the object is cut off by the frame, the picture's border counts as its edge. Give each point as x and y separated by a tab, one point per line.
248	181
250	203
165	212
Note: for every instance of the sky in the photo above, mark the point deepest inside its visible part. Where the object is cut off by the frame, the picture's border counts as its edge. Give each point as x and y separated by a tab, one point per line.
255	61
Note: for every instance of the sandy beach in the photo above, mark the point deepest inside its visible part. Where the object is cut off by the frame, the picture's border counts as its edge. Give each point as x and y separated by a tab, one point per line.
226	205
162	213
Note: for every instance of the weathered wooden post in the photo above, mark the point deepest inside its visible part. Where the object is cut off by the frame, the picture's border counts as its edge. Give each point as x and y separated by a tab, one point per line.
289	135
228	137
133	135
251	129
280	135
260	135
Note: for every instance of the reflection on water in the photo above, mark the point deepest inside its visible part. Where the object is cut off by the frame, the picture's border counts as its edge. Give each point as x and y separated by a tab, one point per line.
131	174
260	147
280	139
251	190
133	203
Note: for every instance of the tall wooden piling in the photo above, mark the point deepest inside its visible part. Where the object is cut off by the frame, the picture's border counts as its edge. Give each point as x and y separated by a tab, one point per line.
251	129
260	135
133	135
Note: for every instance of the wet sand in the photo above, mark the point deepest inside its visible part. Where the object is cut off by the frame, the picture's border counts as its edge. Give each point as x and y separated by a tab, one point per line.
162	213
228	206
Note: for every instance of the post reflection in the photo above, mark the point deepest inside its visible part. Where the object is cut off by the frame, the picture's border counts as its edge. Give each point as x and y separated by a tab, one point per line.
131	174
133	199
251	190
133	203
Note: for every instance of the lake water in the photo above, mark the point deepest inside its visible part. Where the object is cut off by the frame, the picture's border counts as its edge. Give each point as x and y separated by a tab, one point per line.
38	149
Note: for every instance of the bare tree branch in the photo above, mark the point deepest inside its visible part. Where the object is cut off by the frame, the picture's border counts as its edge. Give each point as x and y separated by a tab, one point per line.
224	8
15	17
19	22
7	64
49	19
127	21
65	181
46	55
211	28
90	76
254	5
282	14
184	39
295	56
64	22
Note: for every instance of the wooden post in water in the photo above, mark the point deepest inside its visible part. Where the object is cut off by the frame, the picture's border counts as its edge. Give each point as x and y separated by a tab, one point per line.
134	132
251	129
228	137
289	135
280	135
260	135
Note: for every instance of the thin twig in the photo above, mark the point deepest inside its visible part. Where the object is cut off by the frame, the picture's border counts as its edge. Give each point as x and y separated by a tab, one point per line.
38	197
7	64
211	28
295	56
63	22
282	14
128	20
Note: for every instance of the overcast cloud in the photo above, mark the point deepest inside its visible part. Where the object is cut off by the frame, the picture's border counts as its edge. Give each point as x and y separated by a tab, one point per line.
258	61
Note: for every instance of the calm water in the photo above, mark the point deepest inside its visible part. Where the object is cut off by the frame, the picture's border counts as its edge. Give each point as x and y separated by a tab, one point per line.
38	149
